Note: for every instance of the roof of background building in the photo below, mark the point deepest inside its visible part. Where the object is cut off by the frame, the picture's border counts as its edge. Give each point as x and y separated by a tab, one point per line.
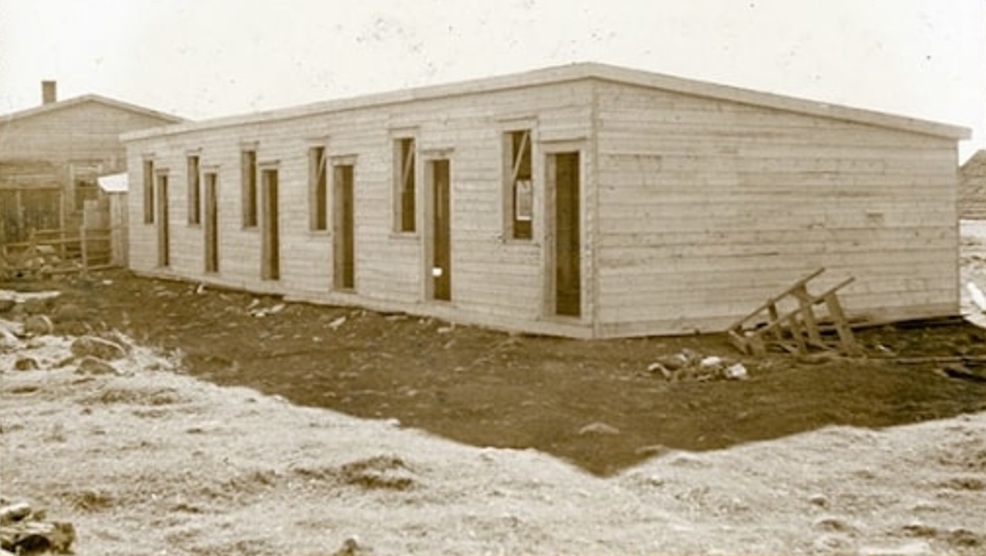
76	101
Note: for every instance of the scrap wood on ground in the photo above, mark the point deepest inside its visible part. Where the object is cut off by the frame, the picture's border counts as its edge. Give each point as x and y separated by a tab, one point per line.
25	530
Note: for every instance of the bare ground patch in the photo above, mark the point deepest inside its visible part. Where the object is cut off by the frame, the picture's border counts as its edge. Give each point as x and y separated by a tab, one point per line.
419	439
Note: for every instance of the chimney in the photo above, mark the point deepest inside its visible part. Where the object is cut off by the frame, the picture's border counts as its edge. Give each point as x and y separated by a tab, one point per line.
48	92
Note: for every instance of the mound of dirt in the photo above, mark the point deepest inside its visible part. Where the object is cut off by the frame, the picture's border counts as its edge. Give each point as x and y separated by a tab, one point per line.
227	470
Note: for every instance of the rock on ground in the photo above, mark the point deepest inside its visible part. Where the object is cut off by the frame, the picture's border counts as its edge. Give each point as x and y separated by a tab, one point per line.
68	312
90	365
97	347
38	325
36	305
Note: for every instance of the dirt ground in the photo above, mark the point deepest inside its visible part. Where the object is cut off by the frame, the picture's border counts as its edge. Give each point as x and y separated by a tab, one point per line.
254	426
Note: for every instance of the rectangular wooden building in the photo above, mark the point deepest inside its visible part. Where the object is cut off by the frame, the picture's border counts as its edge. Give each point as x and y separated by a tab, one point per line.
585	200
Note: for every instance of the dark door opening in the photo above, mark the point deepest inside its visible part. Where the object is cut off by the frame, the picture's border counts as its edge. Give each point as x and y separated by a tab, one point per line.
568	283
344	245
163	239
270	243
211	226
441	230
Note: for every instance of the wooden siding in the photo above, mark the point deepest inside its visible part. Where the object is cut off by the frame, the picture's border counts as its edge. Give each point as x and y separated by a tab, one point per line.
85	131
496	282
707	207
972	189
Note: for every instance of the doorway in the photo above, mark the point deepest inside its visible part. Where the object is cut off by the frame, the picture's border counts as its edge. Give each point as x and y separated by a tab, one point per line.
163	233
344	244
270	250
439	261
564	181
211	226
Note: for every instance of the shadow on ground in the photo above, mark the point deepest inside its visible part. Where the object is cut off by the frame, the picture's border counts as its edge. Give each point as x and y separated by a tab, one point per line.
488	388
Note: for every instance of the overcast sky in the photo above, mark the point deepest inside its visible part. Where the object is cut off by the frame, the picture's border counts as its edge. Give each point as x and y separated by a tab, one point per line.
206	58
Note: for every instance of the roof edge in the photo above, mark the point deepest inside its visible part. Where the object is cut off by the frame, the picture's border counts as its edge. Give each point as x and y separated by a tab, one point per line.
531	78
573	72
780	102
67	103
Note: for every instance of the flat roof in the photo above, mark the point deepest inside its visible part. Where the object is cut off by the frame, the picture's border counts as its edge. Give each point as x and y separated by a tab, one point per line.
576	72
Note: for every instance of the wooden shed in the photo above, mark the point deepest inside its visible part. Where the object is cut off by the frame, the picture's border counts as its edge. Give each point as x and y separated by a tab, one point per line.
585	200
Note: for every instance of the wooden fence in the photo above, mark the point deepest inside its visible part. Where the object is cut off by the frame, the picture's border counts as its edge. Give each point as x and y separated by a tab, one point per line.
49	252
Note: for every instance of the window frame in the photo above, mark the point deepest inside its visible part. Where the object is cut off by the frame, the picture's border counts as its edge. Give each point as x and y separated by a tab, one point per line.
83	189
318	189
517	170
405	171
249	187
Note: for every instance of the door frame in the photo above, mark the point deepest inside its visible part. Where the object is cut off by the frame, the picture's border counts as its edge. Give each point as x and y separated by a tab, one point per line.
548	150
337	222
428	158
162	218
270	222
210	219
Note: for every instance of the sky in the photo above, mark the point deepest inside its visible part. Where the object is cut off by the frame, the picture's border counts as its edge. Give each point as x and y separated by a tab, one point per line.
208	58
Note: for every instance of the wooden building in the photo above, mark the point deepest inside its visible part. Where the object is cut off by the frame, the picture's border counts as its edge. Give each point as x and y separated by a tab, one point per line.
51	155
972	187
586	200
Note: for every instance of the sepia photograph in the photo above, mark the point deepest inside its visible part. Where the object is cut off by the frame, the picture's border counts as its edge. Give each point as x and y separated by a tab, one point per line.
528	277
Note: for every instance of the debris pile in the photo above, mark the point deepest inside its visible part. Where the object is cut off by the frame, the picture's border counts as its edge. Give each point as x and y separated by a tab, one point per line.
25	530
38	332
260	312
40	313
690	365
36	261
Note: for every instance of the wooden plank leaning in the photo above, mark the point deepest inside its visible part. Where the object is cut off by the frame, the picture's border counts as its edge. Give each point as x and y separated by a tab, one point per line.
752	335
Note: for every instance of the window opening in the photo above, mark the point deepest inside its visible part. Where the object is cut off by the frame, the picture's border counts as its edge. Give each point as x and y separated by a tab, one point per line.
318	182
521	186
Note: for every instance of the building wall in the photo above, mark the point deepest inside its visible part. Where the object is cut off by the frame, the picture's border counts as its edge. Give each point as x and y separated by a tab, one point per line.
496	281
119	217
707	208
84	131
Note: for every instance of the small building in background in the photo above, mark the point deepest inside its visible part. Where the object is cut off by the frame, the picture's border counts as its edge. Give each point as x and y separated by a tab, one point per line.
972	187
586	200
112	209
51	156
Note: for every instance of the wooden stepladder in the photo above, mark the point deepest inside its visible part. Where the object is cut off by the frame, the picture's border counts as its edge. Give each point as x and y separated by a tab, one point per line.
799	329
